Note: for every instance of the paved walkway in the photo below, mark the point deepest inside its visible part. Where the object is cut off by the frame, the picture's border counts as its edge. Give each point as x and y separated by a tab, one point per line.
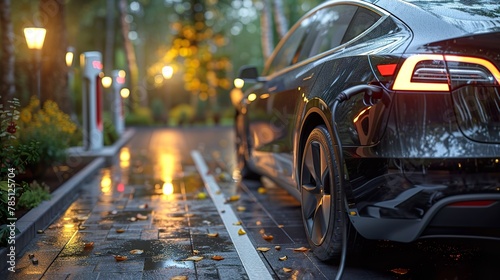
149	208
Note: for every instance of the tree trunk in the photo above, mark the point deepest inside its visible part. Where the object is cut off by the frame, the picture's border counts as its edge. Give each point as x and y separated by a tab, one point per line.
110	37
279	18
267	37
130	53
7	82
54	71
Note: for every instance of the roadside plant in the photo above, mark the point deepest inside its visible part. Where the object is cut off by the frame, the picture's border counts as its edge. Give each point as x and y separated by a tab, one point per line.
15	158
50	127
33	195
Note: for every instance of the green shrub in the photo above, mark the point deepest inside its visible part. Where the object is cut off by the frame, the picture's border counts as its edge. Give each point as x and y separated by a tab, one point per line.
34	195
49	126
140	116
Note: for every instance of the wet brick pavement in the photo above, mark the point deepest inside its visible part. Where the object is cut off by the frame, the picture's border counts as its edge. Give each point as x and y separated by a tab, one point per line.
128	207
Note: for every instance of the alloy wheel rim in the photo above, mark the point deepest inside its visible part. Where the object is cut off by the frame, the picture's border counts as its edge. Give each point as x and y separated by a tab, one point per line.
316	197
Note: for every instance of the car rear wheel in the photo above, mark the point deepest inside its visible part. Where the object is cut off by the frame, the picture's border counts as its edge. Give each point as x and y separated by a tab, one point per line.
321	195
242	151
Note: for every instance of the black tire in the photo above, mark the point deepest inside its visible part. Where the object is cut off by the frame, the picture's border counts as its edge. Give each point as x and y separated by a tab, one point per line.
322	198
242	151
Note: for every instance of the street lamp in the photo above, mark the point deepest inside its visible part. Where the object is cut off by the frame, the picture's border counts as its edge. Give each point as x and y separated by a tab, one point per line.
34	38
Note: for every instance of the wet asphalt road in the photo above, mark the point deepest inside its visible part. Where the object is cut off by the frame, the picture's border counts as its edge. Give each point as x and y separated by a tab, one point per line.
151	207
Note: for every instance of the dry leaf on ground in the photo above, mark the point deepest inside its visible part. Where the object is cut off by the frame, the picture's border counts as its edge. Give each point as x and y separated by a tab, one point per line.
267	237
287	270
141	217
234	198
263	249
215	234
120	258
194	258
301	249
241	232
136	252
88	245
179	277
217	258
284	258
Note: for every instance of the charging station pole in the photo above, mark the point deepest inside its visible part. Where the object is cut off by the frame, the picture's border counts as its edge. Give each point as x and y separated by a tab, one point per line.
91	63
117	103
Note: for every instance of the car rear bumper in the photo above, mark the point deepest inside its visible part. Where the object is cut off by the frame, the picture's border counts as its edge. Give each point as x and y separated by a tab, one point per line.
399	209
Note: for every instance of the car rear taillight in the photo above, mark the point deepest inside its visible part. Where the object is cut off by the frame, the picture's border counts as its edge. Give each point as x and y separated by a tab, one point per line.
433	72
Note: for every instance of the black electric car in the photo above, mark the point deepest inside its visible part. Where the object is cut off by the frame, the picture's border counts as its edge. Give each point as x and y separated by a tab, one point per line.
383	118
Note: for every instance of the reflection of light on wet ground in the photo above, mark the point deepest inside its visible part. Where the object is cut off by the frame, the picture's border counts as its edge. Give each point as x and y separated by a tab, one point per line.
167	163
168	188
124	157
106	182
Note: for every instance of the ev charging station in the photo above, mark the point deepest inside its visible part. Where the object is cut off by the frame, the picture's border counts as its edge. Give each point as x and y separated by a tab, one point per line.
117	102
91	63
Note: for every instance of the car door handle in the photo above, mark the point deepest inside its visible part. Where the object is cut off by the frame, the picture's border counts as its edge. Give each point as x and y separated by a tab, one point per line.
308	77
273	88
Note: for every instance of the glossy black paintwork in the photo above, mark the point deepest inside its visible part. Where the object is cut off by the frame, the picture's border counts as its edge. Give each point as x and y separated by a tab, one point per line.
405	160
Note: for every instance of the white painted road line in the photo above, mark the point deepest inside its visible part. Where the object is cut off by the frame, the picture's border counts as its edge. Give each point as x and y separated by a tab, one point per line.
252	262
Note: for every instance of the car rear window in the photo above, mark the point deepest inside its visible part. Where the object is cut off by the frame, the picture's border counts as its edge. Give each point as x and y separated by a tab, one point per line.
470	15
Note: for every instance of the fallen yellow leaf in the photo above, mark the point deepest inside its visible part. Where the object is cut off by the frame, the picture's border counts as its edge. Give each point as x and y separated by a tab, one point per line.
267	237
120	258
263	249
202	195
262	190
141	217
301	249
241	232
217	258
179	277
284	258
238	223
235	197
241	208
194	258
120	230
215	234
136	252
88	245
196	252
287	270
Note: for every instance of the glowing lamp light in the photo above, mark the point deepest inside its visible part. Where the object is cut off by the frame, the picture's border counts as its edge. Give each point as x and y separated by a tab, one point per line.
167	72
106	81
35	37
251	97
70	54
125	92
238	83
